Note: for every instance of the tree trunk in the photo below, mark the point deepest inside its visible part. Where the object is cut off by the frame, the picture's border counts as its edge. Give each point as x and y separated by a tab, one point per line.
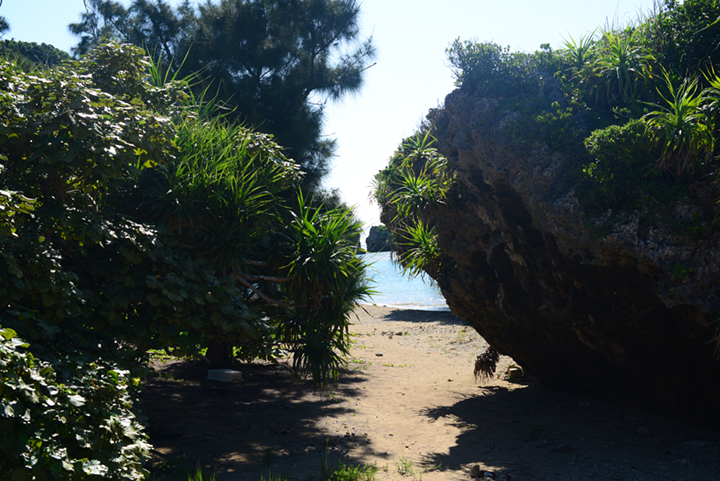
219	354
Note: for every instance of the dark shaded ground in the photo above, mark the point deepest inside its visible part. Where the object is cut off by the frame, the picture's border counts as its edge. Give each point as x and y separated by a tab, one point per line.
417	402
243	430
539	433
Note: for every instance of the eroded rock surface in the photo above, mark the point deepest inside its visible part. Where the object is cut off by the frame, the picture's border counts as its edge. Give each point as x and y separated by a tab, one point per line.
379	240
618	306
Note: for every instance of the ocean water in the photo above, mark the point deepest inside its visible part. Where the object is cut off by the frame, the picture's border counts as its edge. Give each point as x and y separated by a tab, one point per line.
395	290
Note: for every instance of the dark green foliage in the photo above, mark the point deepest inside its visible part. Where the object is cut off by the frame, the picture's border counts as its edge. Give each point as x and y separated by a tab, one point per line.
82	139
222	199
328	279
497	72
67	420
685	35
4	26
417	180
220	196
63	141
273	63
129	222
621	68
148	225
682	129
553	125
626	144
579	54
622	158
635	74
31	54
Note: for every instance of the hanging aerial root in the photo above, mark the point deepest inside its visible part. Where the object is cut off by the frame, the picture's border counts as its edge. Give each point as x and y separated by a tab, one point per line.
486	363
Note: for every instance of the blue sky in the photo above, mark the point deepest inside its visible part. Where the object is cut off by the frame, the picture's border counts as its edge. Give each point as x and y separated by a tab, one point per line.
411	74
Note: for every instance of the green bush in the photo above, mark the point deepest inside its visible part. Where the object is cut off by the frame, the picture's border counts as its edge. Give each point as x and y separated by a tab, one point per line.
680	126
684	35
129	222
416	182
495	71
622	163
155	225
69	425
417	178
622	65
623	144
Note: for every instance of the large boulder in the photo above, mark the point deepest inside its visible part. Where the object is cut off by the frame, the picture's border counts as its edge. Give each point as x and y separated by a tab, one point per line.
618	305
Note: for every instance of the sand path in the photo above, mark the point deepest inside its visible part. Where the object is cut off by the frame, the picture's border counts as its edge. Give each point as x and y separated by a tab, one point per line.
407	404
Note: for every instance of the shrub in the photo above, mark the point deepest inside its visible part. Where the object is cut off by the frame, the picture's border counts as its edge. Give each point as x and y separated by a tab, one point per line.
685	35
415	183
622	63
624	144
69	424
622	157
128	223
681	127
417	178
579	54
495	71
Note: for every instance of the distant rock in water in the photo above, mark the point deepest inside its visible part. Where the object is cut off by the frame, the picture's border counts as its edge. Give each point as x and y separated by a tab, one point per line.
379	239
621	305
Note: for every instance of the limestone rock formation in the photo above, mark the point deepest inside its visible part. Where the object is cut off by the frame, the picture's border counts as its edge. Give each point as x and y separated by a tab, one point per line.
379	239
618	306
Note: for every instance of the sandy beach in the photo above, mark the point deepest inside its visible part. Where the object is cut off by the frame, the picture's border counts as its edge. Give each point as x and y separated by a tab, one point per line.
409	404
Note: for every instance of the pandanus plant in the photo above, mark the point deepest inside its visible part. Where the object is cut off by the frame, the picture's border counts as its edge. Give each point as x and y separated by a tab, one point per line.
622	63
418	178
420	252
325	280
416	182
682	128
581	53
230	197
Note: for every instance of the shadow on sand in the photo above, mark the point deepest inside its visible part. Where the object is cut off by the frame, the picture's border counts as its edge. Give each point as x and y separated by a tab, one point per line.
270	424
419	316
243	430
539	433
